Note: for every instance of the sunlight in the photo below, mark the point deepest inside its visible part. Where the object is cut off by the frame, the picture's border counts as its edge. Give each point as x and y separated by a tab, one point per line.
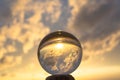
59	45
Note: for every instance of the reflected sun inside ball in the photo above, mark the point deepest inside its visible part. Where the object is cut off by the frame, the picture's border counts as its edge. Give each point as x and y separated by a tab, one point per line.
59	45
59	53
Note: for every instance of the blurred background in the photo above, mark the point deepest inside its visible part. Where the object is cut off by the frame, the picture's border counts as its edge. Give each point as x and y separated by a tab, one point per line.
23	23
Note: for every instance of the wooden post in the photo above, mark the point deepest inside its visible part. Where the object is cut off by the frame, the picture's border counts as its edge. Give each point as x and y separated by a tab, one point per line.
60	77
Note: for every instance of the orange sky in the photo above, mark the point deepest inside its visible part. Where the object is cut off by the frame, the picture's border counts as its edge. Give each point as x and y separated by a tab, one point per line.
23	23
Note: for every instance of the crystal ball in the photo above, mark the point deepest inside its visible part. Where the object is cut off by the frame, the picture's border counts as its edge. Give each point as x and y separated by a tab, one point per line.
59	53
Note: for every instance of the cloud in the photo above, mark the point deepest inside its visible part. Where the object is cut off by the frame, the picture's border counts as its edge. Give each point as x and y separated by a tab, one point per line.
2	38
11	48
57	15
102	46
53	8
96	24
9	61
91	13
97	18
5	11
3	74
76	7
2	52
23	31
6	62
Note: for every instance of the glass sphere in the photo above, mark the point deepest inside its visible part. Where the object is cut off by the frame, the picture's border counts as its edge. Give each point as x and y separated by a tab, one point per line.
59	53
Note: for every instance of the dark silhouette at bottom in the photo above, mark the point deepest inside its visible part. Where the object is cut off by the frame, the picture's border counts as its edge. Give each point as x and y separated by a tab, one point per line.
60	77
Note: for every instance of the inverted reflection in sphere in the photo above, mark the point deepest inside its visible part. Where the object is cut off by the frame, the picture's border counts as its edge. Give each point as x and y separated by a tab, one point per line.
59	53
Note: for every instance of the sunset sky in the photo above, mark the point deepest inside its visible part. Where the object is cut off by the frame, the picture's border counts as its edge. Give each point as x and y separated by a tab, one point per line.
24	23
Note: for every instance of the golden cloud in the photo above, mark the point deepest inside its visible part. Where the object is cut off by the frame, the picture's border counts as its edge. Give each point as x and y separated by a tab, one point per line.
10	48
2	52
2	38
51	10
101	46
9	61
77	6
38	8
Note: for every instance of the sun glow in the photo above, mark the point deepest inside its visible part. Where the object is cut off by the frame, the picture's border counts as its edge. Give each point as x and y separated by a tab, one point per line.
59	45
